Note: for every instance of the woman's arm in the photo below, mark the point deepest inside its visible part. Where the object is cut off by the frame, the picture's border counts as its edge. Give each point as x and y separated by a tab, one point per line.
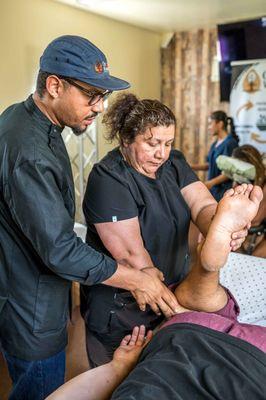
216	181
200	167
201	203
123	240
99	383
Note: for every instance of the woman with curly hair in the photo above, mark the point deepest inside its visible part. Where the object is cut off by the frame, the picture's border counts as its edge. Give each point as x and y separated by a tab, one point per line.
138	204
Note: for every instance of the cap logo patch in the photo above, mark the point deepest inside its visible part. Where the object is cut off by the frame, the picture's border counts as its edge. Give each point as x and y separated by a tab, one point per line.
100	67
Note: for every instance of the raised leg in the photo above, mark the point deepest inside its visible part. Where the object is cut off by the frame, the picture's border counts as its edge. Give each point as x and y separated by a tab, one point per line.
201	290
234	212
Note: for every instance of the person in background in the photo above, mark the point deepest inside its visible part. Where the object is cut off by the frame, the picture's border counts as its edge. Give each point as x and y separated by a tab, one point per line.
255	243
138	204
221	127
40	253
200	354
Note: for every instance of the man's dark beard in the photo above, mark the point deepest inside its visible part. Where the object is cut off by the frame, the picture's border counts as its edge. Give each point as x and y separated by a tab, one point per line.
78	131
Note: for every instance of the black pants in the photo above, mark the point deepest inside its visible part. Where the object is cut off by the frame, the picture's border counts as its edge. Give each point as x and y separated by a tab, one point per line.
113	325
100	348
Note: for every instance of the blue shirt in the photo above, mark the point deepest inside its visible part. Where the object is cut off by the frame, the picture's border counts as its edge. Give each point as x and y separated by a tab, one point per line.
225	148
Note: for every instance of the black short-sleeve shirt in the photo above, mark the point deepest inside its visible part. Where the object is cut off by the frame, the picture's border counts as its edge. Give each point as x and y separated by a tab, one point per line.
116	192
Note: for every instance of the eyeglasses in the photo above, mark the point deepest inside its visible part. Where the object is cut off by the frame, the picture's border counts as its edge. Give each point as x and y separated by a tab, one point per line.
94	95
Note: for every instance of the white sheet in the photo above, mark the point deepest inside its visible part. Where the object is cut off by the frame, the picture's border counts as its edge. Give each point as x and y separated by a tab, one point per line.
245	277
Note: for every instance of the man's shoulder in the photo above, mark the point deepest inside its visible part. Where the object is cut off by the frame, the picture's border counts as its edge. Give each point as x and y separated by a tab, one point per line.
20	140
13	112
13	121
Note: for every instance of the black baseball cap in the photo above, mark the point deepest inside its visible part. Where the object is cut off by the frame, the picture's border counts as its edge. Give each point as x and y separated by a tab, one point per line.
76	57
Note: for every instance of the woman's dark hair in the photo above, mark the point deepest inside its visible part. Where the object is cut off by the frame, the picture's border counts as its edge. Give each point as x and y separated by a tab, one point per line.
128	117
251	155
228	122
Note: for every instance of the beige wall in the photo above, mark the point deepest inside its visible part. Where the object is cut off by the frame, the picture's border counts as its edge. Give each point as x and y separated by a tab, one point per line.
27	26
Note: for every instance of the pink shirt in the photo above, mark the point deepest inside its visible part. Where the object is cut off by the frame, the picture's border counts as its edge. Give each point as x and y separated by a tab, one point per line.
225	321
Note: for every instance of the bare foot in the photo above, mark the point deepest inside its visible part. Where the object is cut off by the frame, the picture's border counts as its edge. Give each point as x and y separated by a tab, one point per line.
234	212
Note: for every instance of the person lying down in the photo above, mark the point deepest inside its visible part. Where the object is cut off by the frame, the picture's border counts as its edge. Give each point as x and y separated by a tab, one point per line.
201	353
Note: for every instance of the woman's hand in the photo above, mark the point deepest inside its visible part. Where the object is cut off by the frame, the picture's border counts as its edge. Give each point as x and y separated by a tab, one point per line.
127	354
153	292
238	238
99	383
152	271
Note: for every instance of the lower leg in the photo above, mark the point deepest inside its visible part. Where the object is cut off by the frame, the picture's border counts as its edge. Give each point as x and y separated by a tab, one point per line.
201	290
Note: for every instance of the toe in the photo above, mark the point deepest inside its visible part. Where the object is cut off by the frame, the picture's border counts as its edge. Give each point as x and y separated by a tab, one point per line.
229	193
256	194
240	189
248	190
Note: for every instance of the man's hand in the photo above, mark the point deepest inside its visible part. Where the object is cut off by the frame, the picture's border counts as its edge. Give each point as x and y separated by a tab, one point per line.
127	354
153	292
147	288
154	272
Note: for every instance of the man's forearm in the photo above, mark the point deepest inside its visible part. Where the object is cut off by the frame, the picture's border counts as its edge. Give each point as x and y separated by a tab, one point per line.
125	278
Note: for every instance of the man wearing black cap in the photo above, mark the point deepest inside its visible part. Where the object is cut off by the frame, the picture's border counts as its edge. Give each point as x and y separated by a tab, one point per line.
40	254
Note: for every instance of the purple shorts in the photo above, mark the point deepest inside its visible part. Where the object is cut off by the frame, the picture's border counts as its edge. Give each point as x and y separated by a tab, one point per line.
224	320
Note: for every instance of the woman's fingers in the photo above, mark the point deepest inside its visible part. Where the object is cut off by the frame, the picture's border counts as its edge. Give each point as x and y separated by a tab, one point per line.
165	303
238	238
141	336
161	276
156	294
155	308
125	340
240	234
148	337
137	337
171	301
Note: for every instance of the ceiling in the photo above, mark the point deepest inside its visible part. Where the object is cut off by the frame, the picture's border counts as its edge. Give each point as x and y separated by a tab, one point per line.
173	15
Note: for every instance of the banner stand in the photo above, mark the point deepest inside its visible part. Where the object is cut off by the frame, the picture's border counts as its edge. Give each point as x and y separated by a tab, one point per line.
248	102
